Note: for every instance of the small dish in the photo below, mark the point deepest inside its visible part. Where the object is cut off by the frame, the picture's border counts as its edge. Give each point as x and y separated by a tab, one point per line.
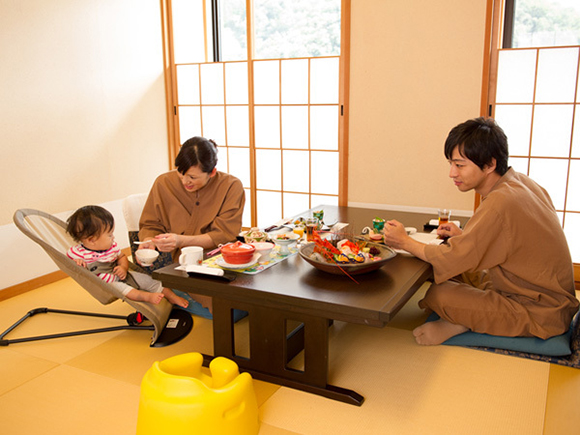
285	240
264	249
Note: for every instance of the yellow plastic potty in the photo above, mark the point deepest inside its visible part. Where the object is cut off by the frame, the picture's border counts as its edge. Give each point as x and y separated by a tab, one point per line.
177	398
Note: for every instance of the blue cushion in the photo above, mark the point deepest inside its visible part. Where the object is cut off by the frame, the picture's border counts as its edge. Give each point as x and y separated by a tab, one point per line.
554	346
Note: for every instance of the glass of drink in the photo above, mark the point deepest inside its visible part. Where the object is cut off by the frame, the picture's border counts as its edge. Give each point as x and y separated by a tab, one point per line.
444	216
318	214
311	226
299	229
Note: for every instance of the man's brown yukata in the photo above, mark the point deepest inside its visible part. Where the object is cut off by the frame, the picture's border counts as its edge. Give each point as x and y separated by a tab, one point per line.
510	272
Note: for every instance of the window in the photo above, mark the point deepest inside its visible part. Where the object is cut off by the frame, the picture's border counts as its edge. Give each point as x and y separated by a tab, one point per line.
536	100
277	116
541	23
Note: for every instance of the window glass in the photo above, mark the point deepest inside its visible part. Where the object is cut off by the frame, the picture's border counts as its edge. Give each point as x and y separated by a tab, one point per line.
268	163
296	28
189	122
267	126
576	138
324	81
546	23
552	130
188	79
239	159
324	181
238	125
516	76
557	75
237	83
267	82
213	123
295	127
551	174
295	203
233	30
324	127
212	83
188	30
515	120
519	164
295	171
269	206
572	231
573	199
295	81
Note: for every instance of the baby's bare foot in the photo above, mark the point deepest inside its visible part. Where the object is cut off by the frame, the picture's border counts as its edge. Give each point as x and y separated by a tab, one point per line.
174	299
154	298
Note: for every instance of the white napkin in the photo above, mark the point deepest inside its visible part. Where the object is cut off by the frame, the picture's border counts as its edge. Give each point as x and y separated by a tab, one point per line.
435	223
201	269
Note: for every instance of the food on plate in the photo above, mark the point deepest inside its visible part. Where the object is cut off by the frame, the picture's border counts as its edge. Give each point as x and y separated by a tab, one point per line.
344	252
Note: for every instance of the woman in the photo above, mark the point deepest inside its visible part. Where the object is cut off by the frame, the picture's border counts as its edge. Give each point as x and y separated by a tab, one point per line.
194	205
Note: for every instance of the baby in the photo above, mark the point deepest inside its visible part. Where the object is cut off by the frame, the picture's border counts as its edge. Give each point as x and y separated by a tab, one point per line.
92	226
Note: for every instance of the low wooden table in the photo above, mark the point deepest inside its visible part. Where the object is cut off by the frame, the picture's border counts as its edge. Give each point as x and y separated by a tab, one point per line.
294	292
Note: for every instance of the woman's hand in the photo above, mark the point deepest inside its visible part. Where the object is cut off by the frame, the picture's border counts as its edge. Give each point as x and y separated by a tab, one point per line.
448	229
167	242
147	244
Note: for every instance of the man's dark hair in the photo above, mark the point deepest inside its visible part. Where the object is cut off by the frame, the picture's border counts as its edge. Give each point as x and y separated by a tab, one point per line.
89	221
197	151
480	140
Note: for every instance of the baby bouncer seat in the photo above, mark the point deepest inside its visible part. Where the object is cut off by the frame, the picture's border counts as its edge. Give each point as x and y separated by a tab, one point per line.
168	325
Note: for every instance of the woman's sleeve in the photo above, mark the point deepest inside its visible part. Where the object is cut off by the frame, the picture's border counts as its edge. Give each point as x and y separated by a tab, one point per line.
152	221
228	222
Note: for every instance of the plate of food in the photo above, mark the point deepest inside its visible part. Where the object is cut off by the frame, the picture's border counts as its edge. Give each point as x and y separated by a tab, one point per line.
342	254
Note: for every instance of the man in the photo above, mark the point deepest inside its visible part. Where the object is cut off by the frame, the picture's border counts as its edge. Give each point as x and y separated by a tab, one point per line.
509	272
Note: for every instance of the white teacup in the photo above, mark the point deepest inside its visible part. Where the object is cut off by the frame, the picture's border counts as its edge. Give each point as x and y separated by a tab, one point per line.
191	255
146	257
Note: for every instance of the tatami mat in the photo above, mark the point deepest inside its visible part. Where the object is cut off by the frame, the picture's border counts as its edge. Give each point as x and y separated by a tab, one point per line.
90	384
411	389
67	400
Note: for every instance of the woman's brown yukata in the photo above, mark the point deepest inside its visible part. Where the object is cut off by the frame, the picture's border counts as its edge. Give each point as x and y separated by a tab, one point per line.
510	272
216	210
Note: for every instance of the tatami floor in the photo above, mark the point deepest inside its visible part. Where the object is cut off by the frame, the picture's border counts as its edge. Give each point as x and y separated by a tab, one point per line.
91	384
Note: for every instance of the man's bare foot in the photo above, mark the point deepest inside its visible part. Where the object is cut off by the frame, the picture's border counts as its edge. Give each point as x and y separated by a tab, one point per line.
174	299
432	333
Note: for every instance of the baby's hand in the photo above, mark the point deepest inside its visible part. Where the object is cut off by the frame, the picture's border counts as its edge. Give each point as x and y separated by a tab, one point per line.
121	272
80	262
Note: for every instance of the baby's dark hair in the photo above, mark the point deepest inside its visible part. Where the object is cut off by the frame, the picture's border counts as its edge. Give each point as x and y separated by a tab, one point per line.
89	221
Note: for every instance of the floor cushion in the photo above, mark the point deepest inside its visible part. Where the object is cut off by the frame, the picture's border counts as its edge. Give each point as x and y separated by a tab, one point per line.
563	349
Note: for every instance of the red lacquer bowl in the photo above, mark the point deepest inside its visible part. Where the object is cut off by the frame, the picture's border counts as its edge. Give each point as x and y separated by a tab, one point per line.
237	253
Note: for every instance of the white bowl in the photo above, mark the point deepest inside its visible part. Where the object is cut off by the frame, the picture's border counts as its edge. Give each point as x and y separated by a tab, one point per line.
146	257
283	240
264	249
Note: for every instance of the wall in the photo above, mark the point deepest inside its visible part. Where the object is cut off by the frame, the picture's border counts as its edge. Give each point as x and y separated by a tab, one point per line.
82	113
416	72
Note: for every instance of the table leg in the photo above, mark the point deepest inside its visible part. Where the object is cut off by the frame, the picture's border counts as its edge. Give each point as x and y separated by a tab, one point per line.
272	347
